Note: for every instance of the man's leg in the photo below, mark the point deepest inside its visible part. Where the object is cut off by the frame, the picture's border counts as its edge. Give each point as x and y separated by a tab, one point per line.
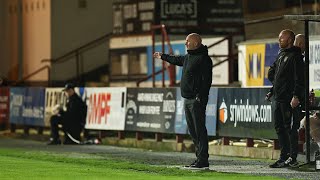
279	115
190	123
198	117
283	130
292	127
55	121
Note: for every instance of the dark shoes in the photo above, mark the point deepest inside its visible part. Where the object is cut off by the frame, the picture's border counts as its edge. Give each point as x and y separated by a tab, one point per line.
192	164
279	164
290	162
54	142
200	166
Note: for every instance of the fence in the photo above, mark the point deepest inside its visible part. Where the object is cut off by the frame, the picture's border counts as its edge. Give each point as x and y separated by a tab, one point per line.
231	112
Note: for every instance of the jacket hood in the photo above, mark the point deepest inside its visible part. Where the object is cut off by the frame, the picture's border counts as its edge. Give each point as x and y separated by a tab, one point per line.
201	50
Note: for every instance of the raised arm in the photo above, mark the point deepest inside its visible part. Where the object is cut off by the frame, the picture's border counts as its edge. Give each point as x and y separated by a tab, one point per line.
176	60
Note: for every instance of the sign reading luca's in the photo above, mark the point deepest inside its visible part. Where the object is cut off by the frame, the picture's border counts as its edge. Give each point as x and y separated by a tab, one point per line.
221	17
183	9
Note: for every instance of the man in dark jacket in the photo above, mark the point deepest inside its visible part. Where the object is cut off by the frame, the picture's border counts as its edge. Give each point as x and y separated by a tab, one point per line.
195	85
287	77
72	120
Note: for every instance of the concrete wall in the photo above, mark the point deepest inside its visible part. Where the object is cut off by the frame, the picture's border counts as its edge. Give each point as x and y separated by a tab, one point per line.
3	70
36	37
21	55
73	27
9	56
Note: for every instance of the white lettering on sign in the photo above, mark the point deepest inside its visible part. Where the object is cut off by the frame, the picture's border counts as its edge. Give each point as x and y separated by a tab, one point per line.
148	125
149	109
314	54
316	75
35	112
17	100
99	108
250	113
150	97
143	124
182	9
169	106
155	125
3	98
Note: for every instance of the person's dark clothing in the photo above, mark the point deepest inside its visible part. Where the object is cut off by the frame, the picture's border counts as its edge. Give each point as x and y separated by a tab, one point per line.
287	77
197	71
195	85
287	122
195	111
72	120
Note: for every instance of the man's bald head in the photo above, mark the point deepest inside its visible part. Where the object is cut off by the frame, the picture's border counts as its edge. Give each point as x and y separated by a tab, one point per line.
193	41
286	38
300	42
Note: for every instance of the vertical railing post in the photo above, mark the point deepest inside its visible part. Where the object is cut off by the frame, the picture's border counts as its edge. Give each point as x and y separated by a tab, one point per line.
81	70
231	59
153	59
49	76
225	141
158	137
249	142
121	135
171	68
78	67
179	138
163	51
139	136
306	31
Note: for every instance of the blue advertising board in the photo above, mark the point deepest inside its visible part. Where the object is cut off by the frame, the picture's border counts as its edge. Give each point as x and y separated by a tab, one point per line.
270	56
27	106
211	113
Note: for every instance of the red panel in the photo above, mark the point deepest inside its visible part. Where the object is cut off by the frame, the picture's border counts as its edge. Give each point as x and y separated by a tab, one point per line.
4	105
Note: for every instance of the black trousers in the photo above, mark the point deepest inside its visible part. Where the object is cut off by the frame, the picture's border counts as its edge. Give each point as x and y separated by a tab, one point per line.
287	122
74	130
195	110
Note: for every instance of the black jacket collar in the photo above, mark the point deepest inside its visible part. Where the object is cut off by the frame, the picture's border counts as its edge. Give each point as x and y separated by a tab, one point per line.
201	50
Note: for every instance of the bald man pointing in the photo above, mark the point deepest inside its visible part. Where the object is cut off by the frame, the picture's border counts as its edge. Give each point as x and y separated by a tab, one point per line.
195	85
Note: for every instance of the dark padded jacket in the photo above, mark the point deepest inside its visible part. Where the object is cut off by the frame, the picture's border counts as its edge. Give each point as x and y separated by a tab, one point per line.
196	74
287	75
76	113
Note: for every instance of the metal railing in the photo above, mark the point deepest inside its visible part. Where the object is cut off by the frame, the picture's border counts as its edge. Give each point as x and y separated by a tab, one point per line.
230	57
67	56
170	68
46	67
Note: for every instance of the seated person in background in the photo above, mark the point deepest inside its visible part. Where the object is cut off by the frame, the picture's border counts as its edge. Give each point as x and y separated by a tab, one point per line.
314	126
72	120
